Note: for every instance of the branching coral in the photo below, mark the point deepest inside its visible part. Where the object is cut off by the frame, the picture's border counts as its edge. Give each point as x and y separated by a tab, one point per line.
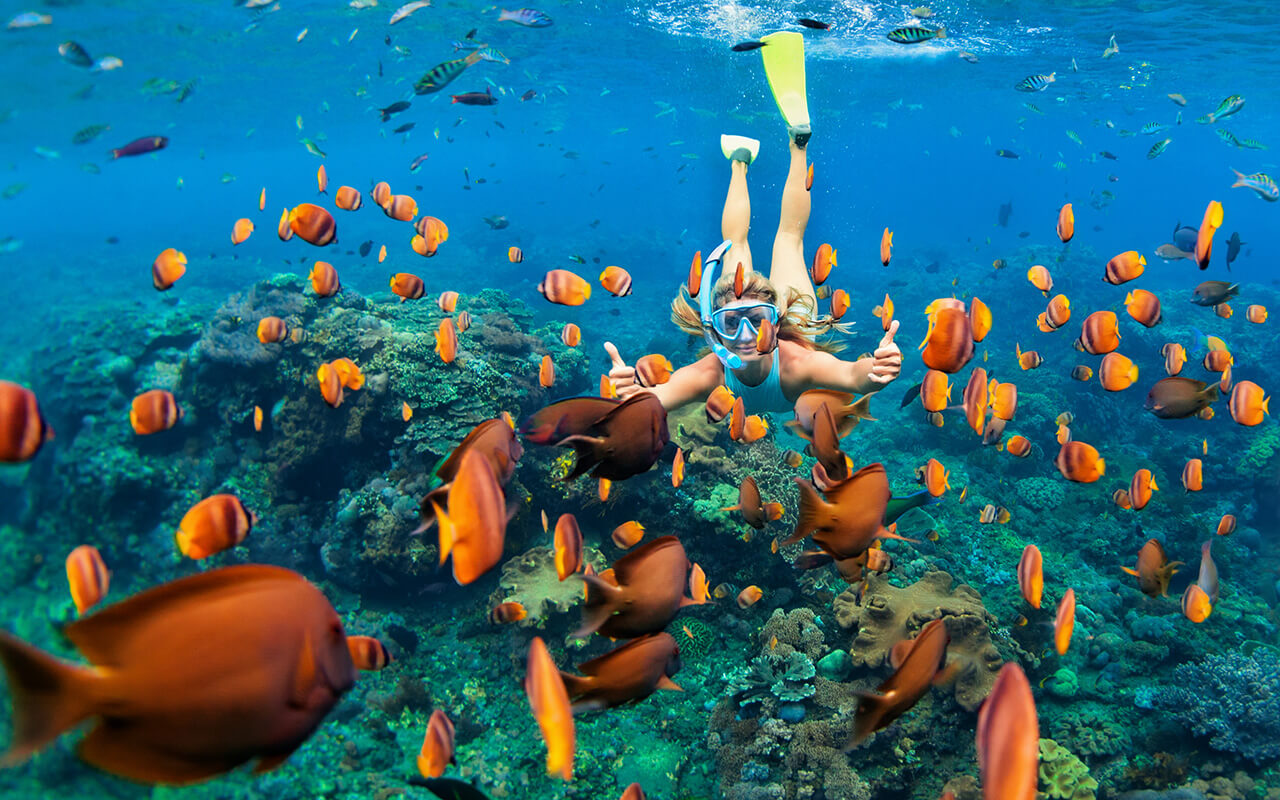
1231	698
786	678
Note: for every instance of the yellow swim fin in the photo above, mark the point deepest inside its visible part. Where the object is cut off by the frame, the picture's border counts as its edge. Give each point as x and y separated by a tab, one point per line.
784	67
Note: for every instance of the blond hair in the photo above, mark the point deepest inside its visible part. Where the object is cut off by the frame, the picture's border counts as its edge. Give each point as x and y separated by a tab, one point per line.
798	320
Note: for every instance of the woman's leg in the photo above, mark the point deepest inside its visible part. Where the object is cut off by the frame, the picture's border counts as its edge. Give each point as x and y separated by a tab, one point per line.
788	269
735	220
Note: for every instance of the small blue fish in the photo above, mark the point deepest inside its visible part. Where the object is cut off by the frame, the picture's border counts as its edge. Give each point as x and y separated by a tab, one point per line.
1225	109
496	56
1153	128
1158	148
1036	83
528	17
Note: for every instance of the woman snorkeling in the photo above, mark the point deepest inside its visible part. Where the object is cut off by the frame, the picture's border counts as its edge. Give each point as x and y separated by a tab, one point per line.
785	301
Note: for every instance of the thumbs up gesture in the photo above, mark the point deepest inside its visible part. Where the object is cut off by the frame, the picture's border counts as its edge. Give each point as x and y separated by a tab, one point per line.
887	359
622	376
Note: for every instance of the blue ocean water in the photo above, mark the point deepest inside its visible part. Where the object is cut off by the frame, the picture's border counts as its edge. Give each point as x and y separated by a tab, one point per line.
615	160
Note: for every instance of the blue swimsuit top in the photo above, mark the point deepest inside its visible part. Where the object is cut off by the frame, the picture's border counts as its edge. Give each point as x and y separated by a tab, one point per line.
766	396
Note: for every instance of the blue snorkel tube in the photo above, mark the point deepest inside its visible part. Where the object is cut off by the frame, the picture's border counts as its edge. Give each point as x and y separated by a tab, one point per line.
714	264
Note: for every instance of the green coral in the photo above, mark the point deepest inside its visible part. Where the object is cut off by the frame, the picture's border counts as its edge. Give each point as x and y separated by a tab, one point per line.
708	508
695	638
1062	775
1258	452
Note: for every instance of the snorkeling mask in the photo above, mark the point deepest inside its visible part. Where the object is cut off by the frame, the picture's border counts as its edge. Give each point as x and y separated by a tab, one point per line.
728	322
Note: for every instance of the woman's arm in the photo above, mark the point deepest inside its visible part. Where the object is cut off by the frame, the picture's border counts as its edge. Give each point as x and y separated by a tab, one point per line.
689	384
820	370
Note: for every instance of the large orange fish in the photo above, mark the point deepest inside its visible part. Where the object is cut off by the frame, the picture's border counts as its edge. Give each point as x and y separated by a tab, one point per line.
1248	403
447	340
1196	605
22	426
1154	569
1099	333
846	412
1144	307
1080	462
546	372
347	198
979	319
1117	372
677	469
283	229
885	312
824	260
87	576
190	679
1031	575
934	476
473	521
1141	487
330	385
754	510
313	224
1008	738
616	280
625	674
695	275
241	231
401	207
1175	356
849	518
567	546
644	595
350	374
935	391
272	330
324	279
975	400
1058	312
1041	279
168	267
550	703
1125	267
407	286
381	193
153	412
948	345
564	288
1193	475
653	369
719	403
214	524
628	534
919	669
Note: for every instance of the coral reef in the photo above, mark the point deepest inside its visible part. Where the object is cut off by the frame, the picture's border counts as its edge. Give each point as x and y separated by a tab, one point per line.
880	615
1062	775
1231	698
531	580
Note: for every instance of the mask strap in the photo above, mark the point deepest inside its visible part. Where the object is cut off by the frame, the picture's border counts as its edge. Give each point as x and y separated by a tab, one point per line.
713	264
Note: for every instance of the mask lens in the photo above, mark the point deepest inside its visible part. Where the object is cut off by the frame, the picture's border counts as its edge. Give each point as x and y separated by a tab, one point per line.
730	321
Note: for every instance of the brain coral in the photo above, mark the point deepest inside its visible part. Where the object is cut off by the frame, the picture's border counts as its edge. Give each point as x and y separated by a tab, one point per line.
530	579
1062	775
1041	493
881	615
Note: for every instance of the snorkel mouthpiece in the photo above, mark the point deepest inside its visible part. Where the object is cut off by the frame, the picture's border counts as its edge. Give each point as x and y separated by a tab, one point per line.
713	265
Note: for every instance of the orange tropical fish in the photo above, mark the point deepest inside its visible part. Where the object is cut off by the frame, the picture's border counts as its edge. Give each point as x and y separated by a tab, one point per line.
719	403
168	267
1218	360
324	279
571	334
567	546
473	528
272	330
447	301
603	488
1256	314
381	193
153	412
1144	307
564	288
262	199
1003	399
348	373
87	576
1019	446
1058	311
546	372
934	476
507	612
1204	236
406	412
698	590
886	246
1154	569
313	224
1175	355
628	534
653	369
1117	372
1099	333
739	279
607	389
382	254
330	385
447	341
1031	575
407	286
257	418
754	429
1193	475
1040	278
840	303
935	391
1029	359
242	230
1066	223
695	275
368	654
214	524
550	703
616	280
975	400
1141	487
464	321
284	229
347	198
1223	310
1064	433
948	344
1226	525
749	596
1248	405
1008	738
1196	605
1121	498
677	468
1064	622
401	207
1080	462
979	319
885	312
1125	267
322	179
515	255
1082	372
808	179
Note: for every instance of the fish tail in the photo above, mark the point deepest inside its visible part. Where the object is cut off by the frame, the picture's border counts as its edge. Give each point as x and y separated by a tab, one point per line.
871	710
49	697
599	606
941	34
446	532
472	58
811	504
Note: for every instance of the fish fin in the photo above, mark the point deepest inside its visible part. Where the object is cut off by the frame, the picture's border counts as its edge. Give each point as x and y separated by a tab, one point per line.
446	532
910	396
601	597
871	710
666	683
586	448
49	697
576	685
738	507
595	704
811	504
1131	571
886	533
688	601
947	674
862	408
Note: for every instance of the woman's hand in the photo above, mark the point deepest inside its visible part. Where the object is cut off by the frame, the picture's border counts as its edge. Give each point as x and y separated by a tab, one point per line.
886	361
622	376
